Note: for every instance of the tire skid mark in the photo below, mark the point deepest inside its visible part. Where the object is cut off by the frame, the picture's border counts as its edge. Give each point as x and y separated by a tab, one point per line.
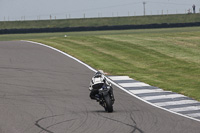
58	124
132	126
134	122
84	119
37	123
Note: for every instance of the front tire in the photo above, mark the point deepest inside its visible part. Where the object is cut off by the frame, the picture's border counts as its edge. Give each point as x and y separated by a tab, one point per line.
108	102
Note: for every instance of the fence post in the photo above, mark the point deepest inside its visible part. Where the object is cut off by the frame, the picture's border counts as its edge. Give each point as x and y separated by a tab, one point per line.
144	8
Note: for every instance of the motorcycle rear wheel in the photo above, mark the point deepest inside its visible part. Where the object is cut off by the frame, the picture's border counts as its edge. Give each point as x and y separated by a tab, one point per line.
108	104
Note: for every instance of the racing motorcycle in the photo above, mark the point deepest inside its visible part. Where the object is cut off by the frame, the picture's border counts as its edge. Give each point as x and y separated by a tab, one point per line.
106	97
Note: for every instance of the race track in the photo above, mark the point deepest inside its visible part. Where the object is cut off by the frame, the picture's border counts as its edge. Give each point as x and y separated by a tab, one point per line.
44	91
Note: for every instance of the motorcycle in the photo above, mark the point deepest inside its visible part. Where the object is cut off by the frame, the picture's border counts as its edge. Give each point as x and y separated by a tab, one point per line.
106	97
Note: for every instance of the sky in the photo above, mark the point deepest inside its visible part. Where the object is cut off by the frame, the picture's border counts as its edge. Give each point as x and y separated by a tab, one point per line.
11	10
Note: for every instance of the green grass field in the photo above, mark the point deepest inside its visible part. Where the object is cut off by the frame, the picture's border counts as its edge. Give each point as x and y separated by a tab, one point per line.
165	58
133	20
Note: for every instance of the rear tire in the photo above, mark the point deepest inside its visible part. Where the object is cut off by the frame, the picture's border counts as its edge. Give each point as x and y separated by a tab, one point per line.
108	106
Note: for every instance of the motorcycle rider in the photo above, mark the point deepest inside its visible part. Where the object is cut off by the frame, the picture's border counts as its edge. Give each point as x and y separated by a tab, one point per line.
97	82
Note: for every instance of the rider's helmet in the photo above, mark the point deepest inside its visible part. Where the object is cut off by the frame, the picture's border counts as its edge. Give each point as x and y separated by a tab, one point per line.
98	74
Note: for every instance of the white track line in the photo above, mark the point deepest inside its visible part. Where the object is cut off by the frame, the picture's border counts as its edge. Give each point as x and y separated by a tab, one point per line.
117	85
146	91
120	78
133	84
63	53
163	97
176	102
194	115
189	108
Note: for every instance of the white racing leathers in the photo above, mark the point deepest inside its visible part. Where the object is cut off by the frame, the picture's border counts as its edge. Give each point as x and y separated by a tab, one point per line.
97	83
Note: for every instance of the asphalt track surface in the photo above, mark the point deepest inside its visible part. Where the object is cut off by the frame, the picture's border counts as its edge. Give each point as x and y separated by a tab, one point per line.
43	91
